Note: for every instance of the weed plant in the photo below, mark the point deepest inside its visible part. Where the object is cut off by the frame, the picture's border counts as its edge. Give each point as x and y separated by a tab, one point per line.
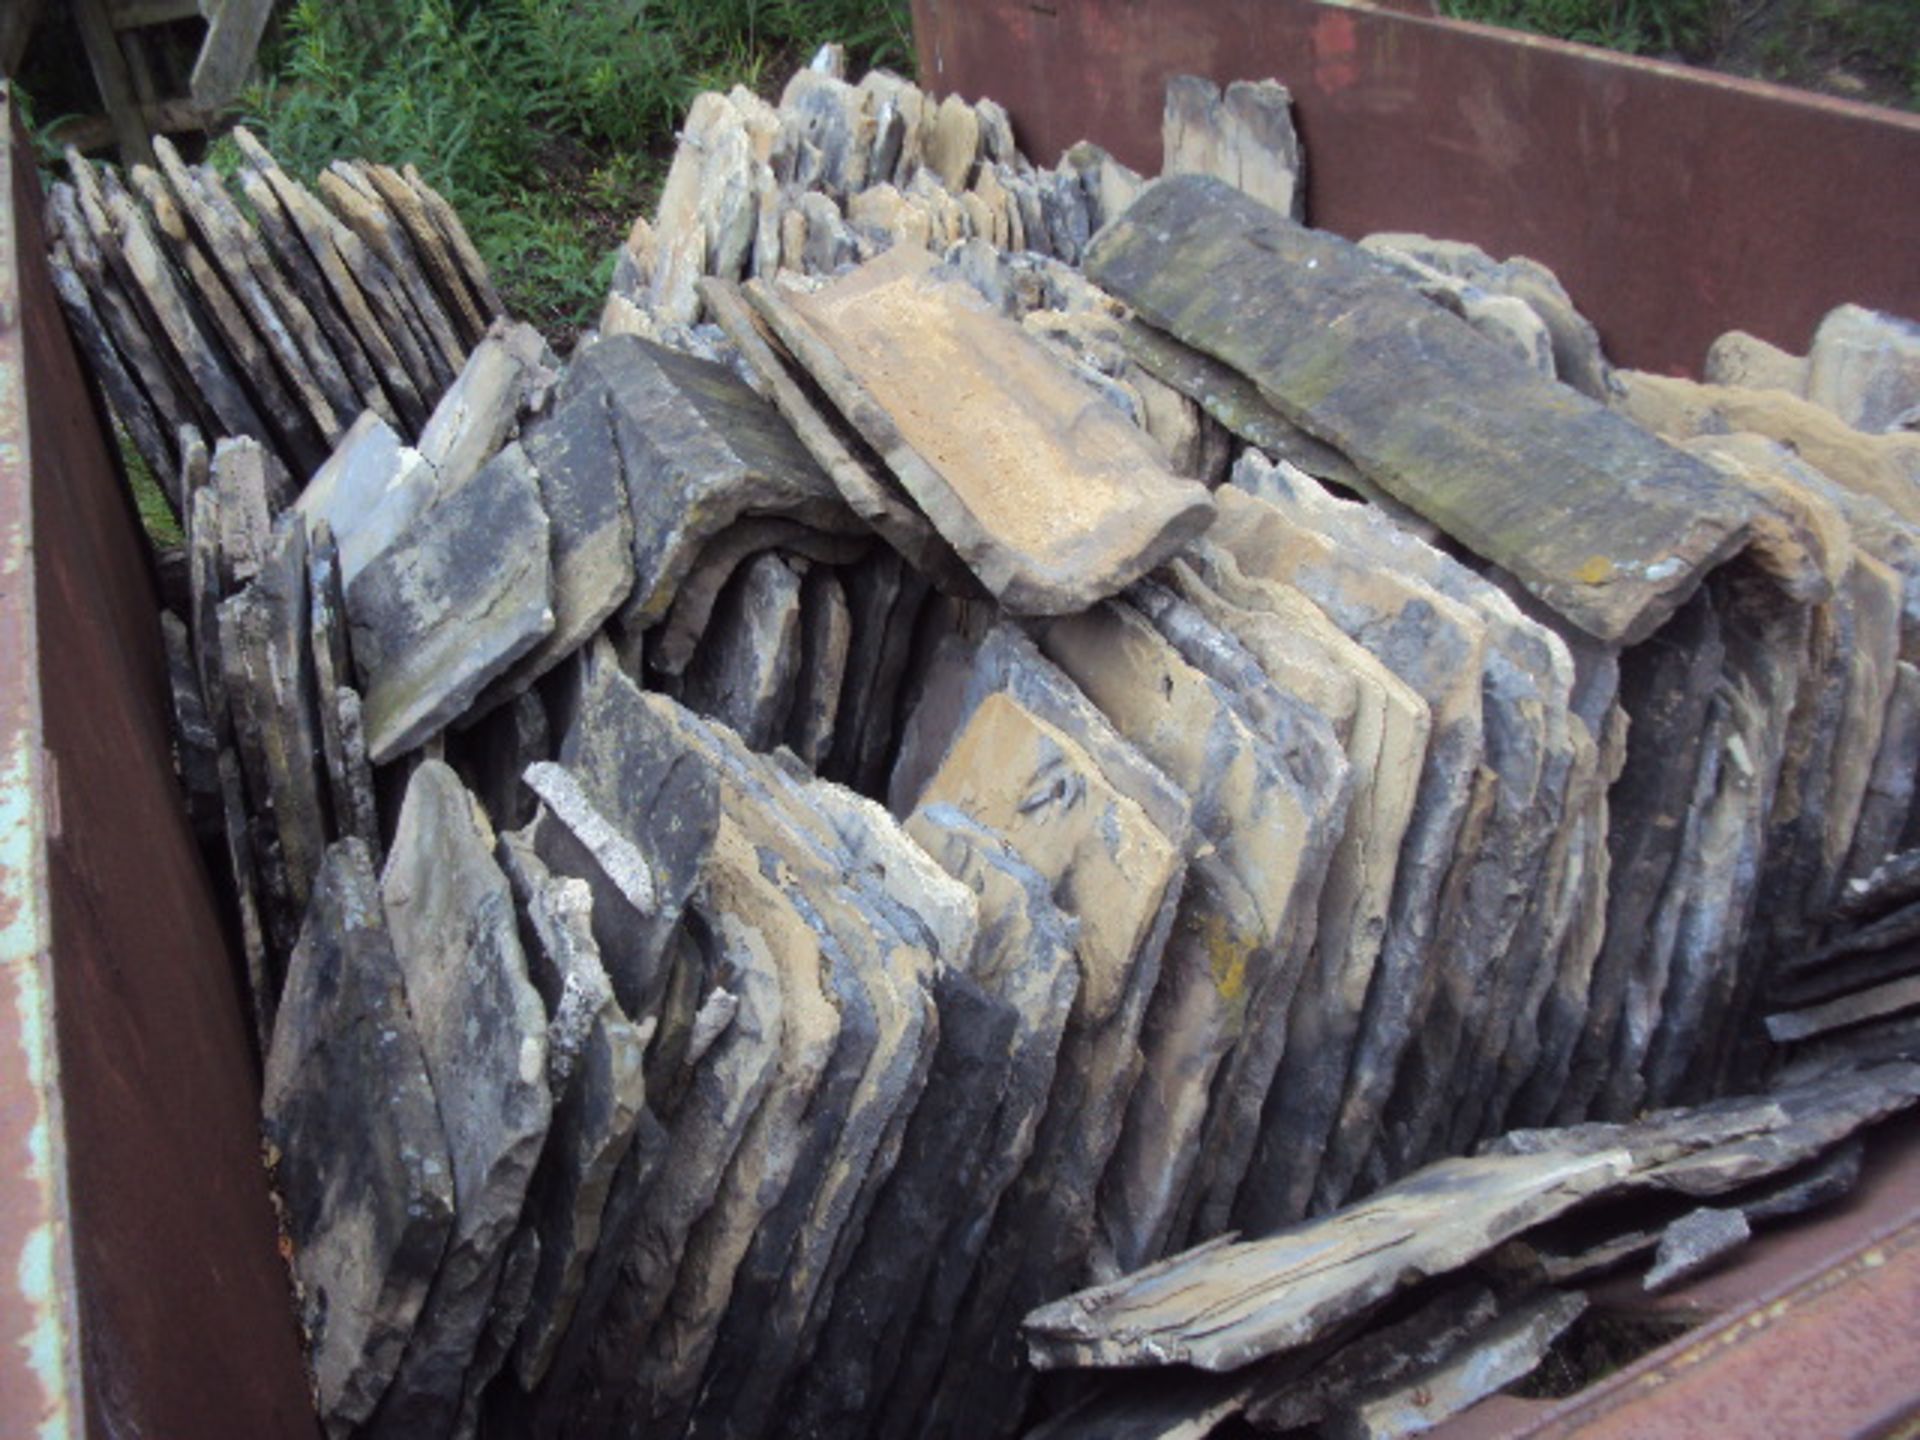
545	122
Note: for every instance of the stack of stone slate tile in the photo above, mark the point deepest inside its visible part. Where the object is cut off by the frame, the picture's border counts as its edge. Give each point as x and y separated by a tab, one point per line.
278	323
911	778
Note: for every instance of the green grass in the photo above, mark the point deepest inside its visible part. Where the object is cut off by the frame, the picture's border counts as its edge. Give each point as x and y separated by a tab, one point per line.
545	122
1686	27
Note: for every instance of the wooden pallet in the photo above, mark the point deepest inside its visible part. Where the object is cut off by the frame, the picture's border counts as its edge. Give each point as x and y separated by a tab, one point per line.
118	53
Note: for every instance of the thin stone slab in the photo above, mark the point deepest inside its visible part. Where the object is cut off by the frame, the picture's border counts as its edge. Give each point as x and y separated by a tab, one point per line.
342	744
1245	138
371	492
632	767
230	325
1890	786
251	485
363	1168
1437	647
1891	998
1065	505
431	248
483	1031
349	189
744	675
1024	955
857	472
446	220
741	898
1245	922
1864	365
898	1244
917	920
1490	1359
267	669
1013	772
1229	1303
826	633
1525	690
583	491
1615	540
437	616
130	404
671	646
700	450
283	321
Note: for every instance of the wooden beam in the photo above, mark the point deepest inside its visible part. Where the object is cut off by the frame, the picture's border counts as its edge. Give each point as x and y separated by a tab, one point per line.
110	76
136	14
16	29
234	28
88	133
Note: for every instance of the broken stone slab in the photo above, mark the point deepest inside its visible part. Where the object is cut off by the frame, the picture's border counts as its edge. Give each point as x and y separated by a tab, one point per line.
251	485
1820	1182
681	220
1577	357
1228	1303
1891	998
1024	955
632	768
1509	323
745	673
196	748
1244	926
1883	467
483	1033
1864	365
267	673
1014	773
1890	786
368	492
1245	138
1073	502
583	492
1615	543
700	450
673	644
860	476
1693	1243
363	1169
437	616
1488	1360
1737	358
509	374
826	632
865	740
383	291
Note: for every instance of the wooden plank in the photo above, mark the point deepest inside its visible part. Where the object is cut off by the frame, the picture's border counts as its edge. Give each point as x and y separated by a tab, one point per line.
233	36
88	133
17	20
137	14
110	75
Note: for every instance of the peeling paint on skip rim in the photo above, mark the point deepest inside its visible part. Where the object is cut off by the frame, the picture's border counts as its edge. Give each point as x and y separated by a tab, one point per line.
39	1356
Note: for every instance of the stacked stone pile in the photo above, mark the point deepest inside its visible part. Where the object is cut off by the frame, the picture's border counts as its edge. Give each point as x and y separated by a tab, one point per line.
939	761
278	322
